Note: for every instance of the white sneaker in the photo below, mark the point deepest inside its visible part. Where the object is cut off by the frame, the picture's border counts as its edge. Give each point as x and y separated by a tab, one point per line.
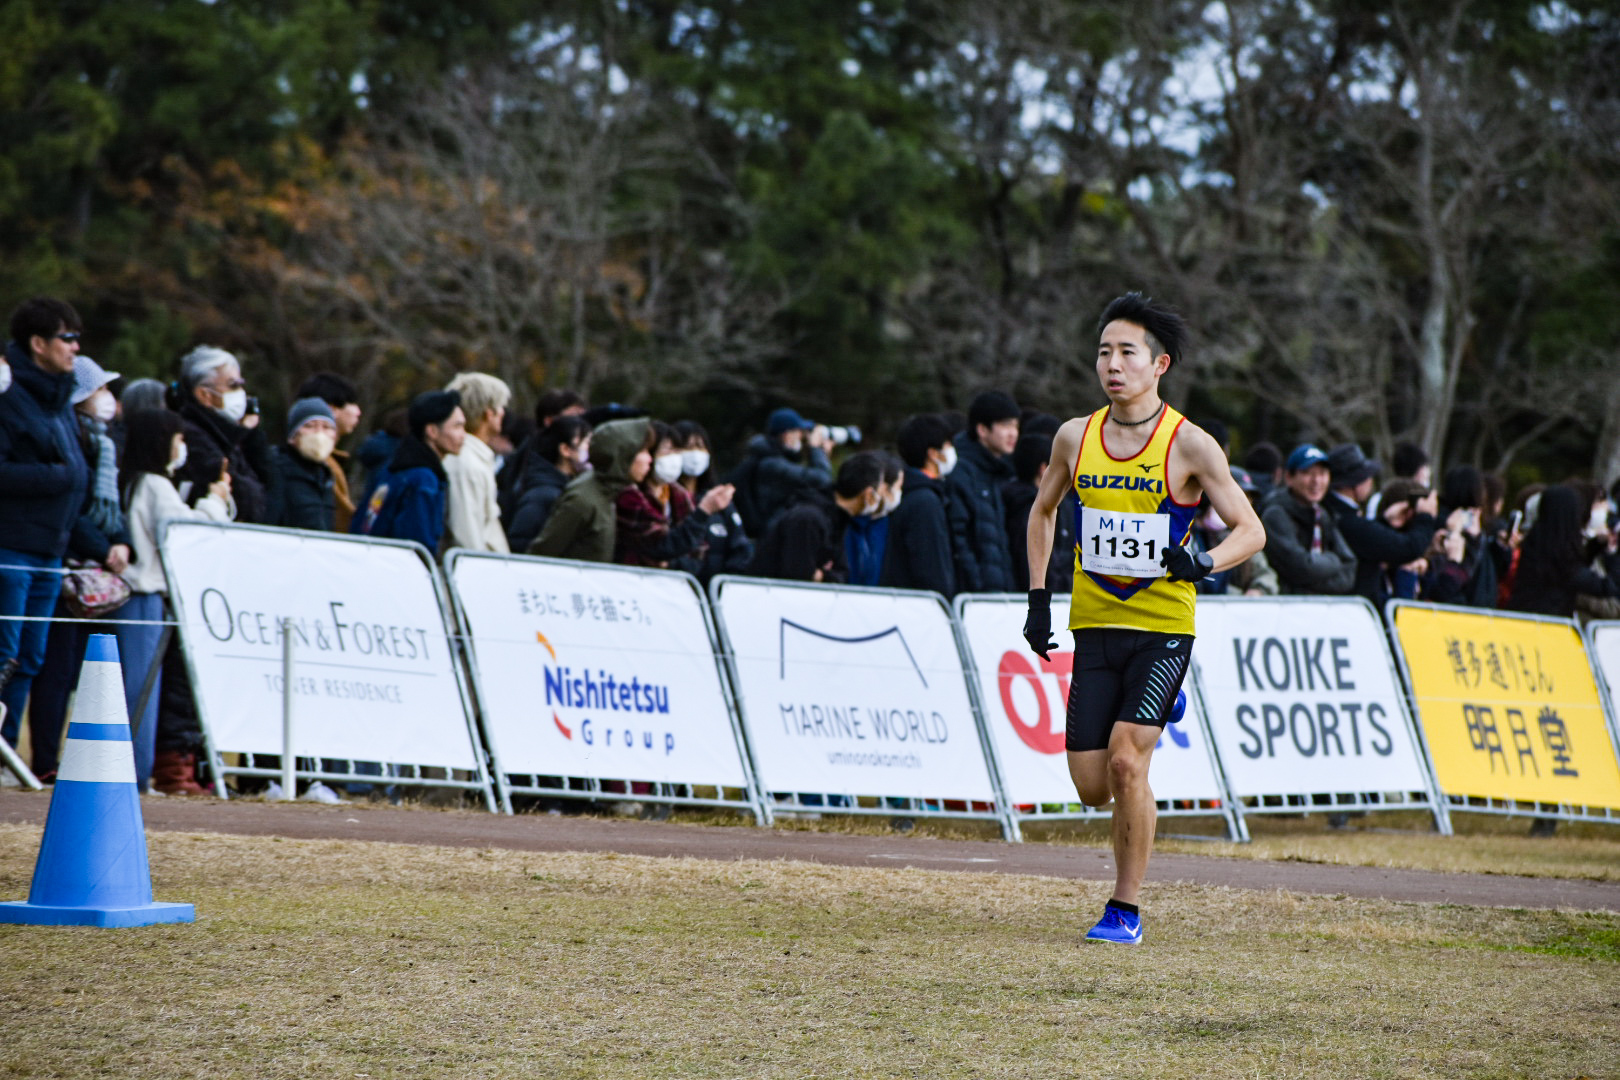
319	792
273	792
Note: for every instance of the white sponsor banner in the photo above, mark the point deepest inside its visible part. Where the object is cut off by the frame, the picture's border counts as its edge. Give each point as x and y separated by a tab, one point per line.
374	675
853	691
1303	698
1026	704
596	671
1604	638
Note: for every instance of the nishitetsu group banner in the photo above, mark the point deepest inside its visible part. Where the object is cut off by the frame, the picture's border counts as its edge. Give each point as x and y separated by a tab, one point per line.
596	671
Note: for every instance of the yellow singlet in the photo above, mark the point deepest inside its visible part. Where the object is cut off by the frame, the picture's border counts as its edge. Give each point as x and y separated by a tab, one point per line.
1128	496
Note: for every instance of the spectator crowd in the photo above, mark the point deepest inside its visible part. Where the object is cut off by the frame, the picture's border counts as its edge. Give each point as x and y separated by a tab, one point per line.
92	468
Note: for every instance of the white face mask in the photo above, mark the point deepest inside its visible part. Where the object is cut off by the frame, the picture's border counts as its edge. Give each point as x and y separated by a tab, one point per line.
104	407
874	507
584	457
235	406
668	468
179	461
890	504
948	462
315	445
5	376
694	462
1598	523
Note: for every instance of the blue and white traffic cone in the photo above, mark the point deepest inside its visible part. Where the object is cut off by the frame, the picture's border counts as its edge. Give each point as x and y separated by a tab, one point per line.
92	867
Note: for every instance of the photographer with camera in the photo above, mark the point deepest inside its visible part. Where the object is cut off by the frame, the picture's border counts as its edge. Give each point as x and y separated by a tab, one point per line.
788	460
221	426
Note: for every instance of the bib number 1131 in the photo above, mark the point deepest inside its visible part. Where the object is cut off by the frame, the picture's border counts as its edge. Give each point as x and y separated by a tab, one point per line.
1123	545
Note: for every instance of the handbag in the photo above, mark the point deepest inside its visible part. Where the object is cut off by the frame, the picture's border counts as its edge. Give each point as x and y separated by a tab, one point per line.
90	591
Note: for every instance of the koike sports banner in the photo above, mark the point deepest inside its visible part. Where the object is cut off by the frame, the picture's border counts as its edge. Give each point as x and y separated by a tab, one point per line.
375	678
1303	697
595	671
1025	701
852	691
1509	706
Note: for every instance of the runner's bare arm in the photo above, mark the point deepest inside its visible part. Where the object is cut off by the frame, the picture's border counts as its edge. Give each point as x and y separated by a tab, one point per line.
1206	463
1054	485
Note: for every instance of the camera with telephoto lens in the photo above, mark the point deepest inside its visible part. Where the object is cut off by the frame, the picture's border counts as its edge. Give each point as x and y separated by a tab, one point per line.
842	435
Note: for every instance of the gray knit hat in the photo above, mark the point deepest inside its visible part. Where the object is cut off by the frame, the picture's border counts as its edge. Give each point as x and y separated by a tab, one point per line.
306	409
88	377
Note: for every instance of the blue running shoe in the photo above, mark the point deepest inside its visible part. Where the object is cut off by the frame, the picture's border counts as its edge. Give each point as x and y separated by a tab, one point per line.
1179	709
1119	927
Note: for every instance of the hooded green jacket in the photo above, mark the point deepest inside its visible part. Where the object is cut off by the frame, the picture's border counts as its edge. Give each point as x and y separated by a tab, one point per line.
582	523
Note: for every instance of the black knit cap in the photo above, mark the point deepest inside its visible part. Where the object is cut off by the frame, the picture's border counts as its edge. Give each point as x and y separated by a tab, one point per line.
433	407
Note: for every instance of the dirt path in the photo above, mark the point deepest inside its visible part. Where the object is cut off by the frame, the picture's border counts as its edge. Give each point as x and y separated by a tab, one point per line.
541	833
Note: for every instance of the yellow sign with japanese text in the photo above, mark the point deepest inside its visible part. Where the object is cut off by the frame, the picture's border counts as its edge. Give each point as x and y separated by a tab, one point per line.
1509	707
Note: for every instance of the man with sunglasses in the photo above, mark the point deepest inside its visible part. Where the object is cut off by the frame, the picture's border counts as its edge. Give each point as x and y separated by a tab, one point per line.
43	484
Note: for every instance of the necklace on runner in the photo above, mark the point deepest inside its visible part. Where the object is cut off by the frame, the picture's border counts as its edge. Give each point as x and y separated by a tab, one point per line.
1136	423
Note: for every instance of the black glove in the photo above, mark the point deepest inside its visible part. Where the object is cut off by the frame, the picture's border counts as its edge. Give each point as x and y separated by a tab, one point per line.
1038	624
1183	565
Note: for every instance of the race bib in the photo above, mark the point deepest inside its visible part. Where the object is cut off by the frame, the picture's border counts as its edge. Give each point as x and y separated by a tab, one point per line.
1123	545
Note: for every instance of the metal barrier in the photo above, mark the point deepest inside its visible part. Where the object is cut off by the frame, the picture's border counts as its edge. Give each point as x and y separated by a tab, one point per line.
1518	691
354	729
589	738
1023	701
1306	709
837	707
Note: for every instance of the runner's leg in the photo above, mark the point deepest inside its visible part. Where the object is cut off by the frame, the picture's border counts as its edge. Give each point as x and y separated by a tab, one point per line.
1130	751
1094	701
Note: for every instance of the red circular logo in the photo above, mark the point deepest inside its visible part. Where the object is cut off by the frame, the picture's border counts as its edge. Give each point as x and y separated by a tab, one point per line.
1037	734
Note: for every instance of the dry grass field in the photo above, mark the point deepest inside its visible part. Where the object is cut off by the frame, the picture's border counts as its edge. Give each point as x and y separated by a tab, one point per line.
338	959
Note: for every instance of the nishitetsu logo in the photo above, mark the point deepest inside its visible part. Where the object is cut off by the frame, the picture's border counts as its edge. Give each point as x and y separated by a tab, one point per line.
606	693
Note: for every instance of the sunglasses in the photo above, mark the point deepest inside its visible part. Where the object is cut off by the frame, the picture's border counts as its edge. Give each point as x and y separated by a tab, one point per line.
68	336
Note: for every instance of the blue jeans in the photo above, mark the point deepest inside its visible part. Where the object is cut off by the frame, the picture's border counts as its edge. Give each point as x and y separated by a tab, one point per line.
30	591
138	653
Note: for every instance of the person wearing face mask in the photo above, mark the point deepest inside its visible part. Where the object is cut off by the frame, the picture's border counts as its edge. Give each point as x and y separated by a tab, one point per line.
978	518
154	451
302	492
866	540
555	455
221	435
730	549
789	459
918	552
657	523
584	521
99	538
343	398
44	481
806	542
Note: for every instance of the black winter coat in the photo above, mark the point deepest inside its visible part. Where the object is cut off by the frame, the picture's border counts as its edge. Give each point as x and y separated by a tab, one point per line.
302	495
769	481
806	537
918	555
979	519
44	479
1019	498
1377	547
1544	591
212	439
730	551
537	491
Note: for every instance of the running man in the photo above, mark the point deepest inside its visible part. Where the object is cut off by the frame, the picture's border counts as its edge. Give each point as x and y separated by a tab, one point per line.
1137	469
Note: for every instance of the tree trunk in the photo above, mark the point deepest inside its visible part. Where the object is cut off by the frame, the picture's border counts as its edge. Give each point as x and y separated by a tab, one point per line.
1606	460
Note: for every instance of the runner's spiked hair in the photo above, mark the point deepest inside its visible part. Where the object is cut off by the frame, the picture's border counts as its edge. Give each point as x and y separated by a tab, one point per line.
1166	333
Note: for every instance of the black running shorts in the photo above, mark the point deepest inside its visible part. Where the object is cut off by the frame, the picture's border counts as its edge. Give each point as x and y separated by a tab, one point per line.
1128	676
